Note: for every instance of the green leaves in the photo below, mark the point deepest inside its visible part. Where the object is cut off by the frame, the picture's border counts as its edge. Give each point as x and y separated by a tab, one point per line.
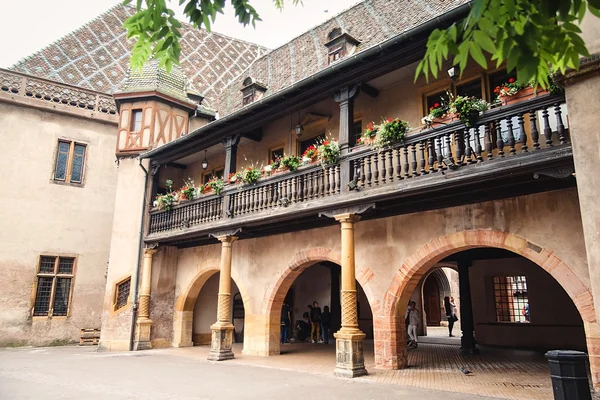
531	37
157	29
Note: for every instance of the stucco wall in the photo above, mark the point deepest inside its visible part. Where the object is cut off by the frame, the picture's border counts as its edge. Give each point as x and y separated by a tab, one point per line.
549	220
555	321
124	248
41	217
205	310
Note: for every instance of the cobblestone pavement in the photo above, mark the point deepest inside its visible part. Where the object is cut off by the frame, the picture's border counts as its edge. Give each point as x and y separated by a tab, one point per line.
81	373
508	374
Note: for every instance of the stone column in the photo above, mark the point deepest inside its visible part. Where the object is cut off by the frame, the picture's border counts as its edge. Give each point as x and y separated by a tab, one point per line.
467	341
349	339
143	322
222	330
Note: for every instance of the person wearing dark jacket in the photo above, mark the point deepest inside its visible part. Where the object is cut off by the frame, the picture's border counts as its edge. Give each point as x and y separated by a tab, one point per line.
315	319
325	321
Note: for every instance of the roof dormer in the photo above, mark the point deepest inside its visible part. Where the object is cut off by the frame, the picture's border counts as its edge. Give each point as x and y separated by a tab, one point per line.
252	90
340	45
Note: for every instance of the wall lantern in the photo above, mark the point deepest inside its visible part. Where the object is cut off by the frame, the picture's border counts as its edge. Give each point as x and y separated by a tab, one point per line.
453	72
204	162
299	130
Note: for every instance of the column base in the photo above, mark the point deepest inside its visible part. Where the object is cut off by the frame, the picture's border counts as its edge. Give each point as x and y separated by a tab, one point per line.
221	344
142	334
350	361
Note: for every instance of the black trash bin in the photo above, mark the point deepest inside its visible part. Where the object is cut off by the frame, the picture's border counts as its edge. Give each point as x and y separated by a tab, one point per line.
568	369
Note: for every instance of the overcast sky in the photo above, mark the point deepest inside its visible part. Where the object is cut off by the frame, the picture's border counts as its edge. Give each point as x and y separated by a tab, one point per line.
29	25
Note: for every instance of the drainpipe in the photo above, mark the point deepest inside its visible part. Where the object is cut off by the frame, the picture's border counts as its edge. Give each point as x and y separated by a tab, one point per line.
134	310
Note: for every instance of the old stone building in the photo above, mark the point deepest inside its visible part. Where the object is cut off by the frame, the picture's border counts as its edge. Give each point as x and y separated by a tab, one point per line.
499	213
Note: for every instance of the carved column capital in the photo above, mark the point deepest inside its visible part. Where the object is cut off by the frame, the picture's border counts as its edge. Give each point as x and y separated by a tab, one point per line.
347	218
150	251
231	141
228	236
346	93
356	211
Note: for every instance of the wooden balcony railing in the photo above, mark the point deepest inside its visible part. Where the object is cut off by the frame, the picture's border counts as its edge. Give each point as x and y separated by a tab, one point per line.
200	211
520	130
499	133
305	185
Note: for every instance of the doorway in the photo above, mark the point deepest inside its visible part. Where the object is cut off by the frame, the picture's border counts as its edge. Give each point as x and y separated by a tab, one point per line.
431	296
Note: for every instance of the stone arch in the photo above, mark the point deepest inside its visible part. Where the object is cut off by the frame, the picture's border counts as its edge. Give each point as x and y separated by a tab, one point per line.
183	317
276	293
443	285
424	259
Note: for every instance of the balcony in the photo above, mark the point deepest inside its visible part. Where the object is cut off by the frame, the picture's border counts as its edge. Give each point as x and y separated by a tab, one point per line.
513	150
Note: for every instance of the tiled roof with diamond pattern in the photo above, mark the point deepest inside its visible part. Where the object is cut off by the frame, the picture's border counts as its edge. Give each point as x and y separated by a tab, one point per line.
370	21
96	56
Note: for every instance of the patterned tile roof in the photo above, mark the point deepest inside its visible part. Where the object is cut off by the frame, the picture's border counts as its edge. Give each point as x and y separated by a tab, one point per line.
155	79
96	56
370	21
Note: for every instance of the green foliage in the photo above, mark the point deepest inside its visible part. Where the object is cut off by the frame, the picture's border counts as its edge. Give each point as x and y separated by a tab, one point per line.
531	36
328	151
389	131
157	30
250	175
468	109
216	185
291	162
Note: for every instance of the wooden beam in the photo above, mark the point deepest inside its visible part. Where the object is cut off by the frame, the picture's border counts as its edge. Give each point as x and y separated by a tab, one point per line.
255	134
176	165
369	90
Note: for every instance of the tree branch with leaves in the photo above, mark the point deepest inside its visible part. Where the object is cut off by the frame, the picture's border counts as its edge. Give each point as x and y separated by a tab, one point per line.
157	30
535	38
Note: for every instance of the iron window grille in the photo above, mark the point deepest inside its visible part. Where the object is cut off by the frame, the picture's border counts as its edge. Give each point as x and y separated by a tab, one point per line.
511	300
53	289
122	293
70	160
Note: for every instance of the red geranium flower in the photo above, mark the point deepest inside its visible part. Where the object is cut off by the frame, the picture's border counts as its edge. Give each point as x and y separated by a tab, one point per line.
436	105
325	143
511	80
390	120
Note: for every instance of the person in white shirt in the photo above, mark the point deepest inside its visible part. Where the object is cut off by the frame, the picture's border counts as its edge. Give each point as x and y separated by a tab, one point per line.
414	319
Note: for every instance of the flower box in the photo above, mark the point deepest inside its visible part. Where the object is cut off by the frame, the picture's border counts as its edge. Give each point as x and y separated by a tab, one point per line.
445	120
522	95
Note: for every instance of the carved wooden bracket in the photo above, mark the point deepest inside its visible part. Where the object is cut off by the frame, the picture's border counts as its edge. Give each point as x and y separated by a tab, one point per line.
347	210
558	172
229	232
346	93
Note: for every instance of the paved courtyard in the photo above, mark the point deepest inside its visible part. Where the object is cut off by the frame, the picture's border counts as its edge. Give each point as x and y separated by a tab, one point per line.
501	373
82	373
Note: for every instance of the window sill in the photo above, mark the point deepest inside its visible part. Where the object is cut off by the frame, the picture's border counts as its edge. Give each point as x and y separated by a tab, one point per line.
63	183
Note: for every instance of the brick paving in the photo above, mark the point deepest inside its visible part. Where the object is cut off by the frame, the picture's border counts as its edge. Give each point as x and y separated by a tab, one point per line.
500	373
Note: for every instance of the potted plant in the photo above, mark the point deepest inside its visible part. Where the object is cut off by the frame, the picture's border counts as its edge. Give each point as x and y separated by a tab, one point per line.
167	200
368	136
514	92
214	185
468	109
328	151
250	175
187	191
389	131
292	163
438	115
310	155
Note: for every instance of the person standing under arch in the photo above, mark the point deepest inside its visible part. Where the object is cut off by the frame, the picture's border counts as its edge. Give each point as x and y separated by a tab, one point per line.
315	319
450	313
